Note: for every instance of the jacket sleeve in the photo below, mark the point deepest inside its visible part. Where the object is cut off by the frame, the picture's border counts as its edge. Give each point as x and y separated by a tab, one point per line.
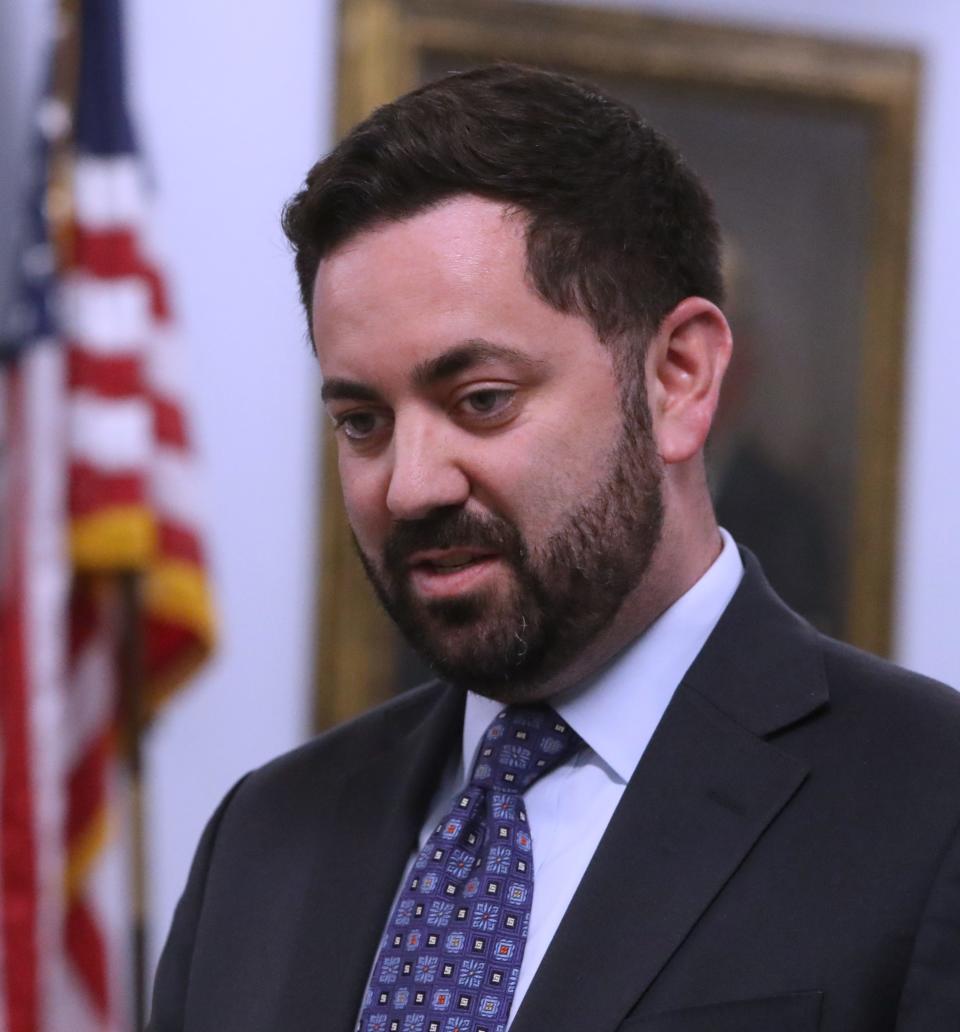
172	982
931	994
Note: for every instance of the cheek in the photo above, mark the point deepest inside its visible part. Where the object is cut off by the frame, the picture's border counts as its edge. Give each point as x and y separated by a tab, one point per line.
538	480
364	500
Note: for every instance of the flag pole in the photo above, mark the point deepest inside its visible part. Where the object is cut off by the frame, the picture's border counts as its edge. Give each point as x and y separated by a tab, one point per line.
131	668
113	545
127	591
133	711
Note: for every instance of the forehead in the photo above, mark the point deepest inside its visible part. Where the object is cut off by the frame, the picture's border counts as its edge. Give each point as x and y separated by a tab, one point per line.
441	262
406	289
461	232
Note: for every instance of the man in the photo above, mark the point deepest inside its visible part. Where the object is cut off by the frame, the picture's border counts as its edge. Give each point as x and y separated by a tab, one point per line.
723	821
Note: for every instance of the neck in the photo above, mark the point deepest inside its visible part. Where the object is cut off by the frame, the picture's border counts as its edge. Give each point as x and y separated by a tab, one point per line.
687	548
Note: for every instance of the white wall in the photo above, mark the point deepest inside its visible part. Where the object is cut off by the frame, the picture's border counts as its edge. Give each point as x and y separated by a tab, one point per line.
233	100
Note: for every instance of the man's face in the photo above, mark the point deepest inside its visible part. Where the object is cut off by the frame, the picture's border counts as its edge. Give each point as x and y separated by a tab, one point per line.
501	506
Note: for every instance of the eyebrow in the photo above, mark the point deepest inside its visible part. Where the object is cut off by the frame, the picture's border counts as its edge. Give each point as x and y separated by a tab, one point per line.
431	371
336	389
465	356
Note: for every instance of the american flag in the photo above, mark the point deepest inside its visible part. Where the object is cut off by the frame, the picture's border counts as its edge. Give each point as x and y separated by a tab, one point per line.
98	482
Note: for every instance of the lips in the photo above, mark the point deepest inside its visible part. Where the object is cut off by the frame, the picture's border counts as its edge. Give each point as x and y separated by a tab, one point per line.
448	558
440	573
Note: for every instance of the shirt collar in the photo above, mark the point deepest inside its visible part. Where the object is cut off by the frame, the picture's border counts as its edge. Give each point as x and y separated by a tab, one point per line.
616	711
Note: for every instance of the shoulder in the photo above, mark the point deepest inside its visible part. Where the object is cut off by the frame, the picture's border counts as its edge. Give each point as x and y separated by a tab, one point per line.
348	747
274	809
771	670
883	749
861	724
914	719
887	692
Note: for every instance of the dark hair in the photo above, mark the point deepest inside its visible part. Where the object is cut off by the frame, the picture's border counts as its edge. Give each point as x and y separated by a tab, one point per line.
618	230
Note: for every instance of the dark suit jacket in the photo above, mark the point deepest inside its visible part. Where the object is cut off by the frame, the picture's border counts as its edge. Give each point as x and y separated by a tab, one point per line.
785	859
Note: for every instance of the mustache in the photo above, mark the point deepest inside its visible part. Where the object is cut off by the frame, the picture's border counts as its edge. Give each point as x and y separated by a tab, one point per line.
452	528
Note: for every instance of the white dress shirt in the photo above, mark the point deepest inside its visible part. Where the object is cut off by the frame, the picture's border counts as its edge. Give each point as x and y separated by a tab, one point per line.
615	713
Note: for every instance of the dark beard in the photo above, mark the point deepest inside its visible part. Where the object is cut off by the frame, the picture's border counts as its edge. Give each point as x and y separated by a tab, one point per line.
563	594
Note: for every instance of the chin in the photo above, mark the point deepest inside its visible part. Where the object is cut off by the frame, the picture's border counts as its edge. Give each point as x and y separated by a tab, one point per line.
509	661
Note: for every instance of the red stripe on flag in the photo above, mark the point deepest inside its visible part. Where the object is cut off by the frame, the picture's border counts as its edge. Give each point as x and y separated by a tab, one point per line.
165	642
107	253
168	423
18	875
114	254
176	541
87	950
86	786
159	301
91	490
83	620
106	376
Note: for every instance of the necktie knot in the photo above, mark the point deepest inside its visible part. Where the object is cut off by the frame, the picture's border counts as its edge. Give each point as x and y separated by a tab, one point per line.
521	745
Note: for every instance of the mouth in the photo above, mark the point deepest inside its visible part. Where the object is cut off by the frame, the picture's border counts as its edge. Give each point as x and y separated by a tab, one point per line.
445	573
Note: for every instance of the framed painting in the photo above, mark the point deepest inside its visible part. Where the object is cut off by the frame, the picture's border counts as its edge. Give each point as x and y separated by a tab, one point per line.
807	146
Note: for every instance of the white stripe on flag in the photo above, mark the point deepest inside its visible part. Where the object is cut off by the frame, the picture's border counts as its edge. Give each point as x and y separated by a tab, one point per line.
108	317
90	703
46	580
114	435
166	362
108	192
175	487
92	688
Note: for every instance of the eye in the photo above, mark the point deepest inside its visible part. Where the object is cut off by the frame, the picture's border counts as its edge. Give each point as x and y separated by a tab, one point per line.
487	402
359	425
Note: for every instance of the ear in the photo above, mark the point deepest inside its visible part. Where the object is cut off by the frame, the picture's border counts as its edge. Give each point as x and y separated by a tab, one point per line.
685	363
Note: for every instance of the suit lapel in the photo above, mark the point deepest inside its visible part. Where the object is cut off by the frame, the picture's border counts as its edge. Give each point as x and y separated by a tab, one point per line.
705	790
379	809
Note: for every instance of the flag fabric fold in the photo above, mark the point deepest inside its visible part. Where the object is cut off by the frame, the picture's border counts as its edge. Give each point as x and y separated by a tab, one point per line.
98	481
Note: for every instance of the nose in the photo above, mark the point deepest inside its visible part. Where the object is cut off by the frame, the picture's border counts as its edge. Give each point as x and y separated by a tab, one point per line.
426	474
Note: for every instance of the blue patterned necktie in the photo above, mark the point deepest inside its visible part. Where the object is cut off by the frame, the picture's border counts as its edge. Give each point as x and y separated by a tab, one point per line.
450	957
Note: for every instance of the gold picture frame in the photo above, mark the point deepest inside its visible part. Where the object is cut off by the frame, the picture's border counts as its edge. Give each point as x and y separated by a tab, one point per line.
811	91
